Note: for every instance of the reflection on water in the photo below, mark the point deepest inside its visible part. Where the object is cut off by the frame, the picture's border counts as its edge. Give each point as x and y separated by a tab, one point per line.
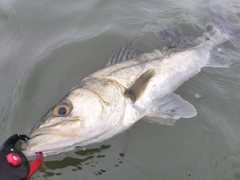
87	158
47	47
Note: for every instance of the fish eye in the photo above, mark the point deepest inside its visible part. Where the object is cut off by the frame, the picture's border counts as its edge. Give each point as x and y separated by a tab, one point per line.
61	110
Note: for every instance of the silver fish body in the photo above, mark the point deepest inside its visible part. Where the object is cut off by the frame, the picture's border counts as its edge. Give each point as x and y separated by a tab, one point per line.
111	100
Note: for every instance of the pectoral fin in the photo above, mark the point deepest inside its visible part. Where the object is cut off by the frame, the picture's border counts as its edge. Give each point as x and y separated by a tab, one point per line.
139	86
173	107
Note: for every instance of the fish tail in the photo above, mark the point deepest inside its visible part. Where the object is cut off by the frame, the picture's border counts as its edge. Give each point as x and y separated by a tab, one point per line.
222	29
219	31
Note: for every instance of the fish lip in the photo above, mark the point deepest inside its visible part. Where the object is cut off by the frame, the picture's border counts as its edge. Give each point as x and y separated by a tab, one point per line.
53	129
52	148
47	139
59	137
49	147
39	132
30	148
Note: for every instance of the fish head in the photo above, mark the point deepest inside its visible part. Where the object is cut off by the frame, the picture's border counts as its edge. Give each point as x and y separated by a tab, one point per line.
78	119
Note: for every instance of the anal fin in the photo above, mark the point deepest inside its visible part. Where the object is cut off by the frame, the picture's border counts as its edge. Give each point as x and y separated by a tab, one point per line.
170	109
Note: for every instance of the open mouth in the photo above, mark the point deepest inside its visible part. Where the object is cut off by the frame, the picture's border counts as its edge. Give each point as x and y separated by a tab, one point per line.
56	139
37	143
47	142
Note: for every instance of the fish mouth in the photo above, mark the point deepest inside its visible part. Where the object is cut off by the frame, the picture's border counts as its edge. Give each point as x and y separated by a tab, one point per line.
49	141
62	137
52	138
48	144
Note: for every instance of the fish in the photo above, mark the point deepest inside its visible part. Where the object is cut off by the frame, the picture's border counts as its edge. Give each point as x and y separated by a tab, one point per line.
132	86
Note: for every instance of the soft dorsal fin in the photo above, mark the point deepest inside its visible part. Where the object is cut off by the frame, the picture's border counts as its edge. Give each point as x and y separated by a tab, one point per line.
137	89
176	39
124	53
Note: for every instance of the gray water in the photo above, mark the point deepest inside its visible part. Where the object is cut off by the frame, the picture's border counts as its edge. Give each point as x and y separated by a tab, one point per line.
46	47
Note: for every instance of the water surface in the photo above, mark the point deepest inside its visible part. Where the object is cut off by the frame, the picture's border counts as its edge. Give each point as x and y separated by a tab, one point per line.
47	47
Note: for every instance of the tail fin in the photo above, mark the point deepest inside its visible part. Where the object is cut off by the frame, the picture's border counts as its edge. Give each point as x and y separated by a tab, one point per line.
219	31
225	27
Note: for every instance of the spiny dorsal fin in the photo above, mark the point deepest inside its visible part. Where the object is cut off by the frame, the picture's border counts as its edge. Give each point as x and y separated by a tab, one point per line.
138	88
124	53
